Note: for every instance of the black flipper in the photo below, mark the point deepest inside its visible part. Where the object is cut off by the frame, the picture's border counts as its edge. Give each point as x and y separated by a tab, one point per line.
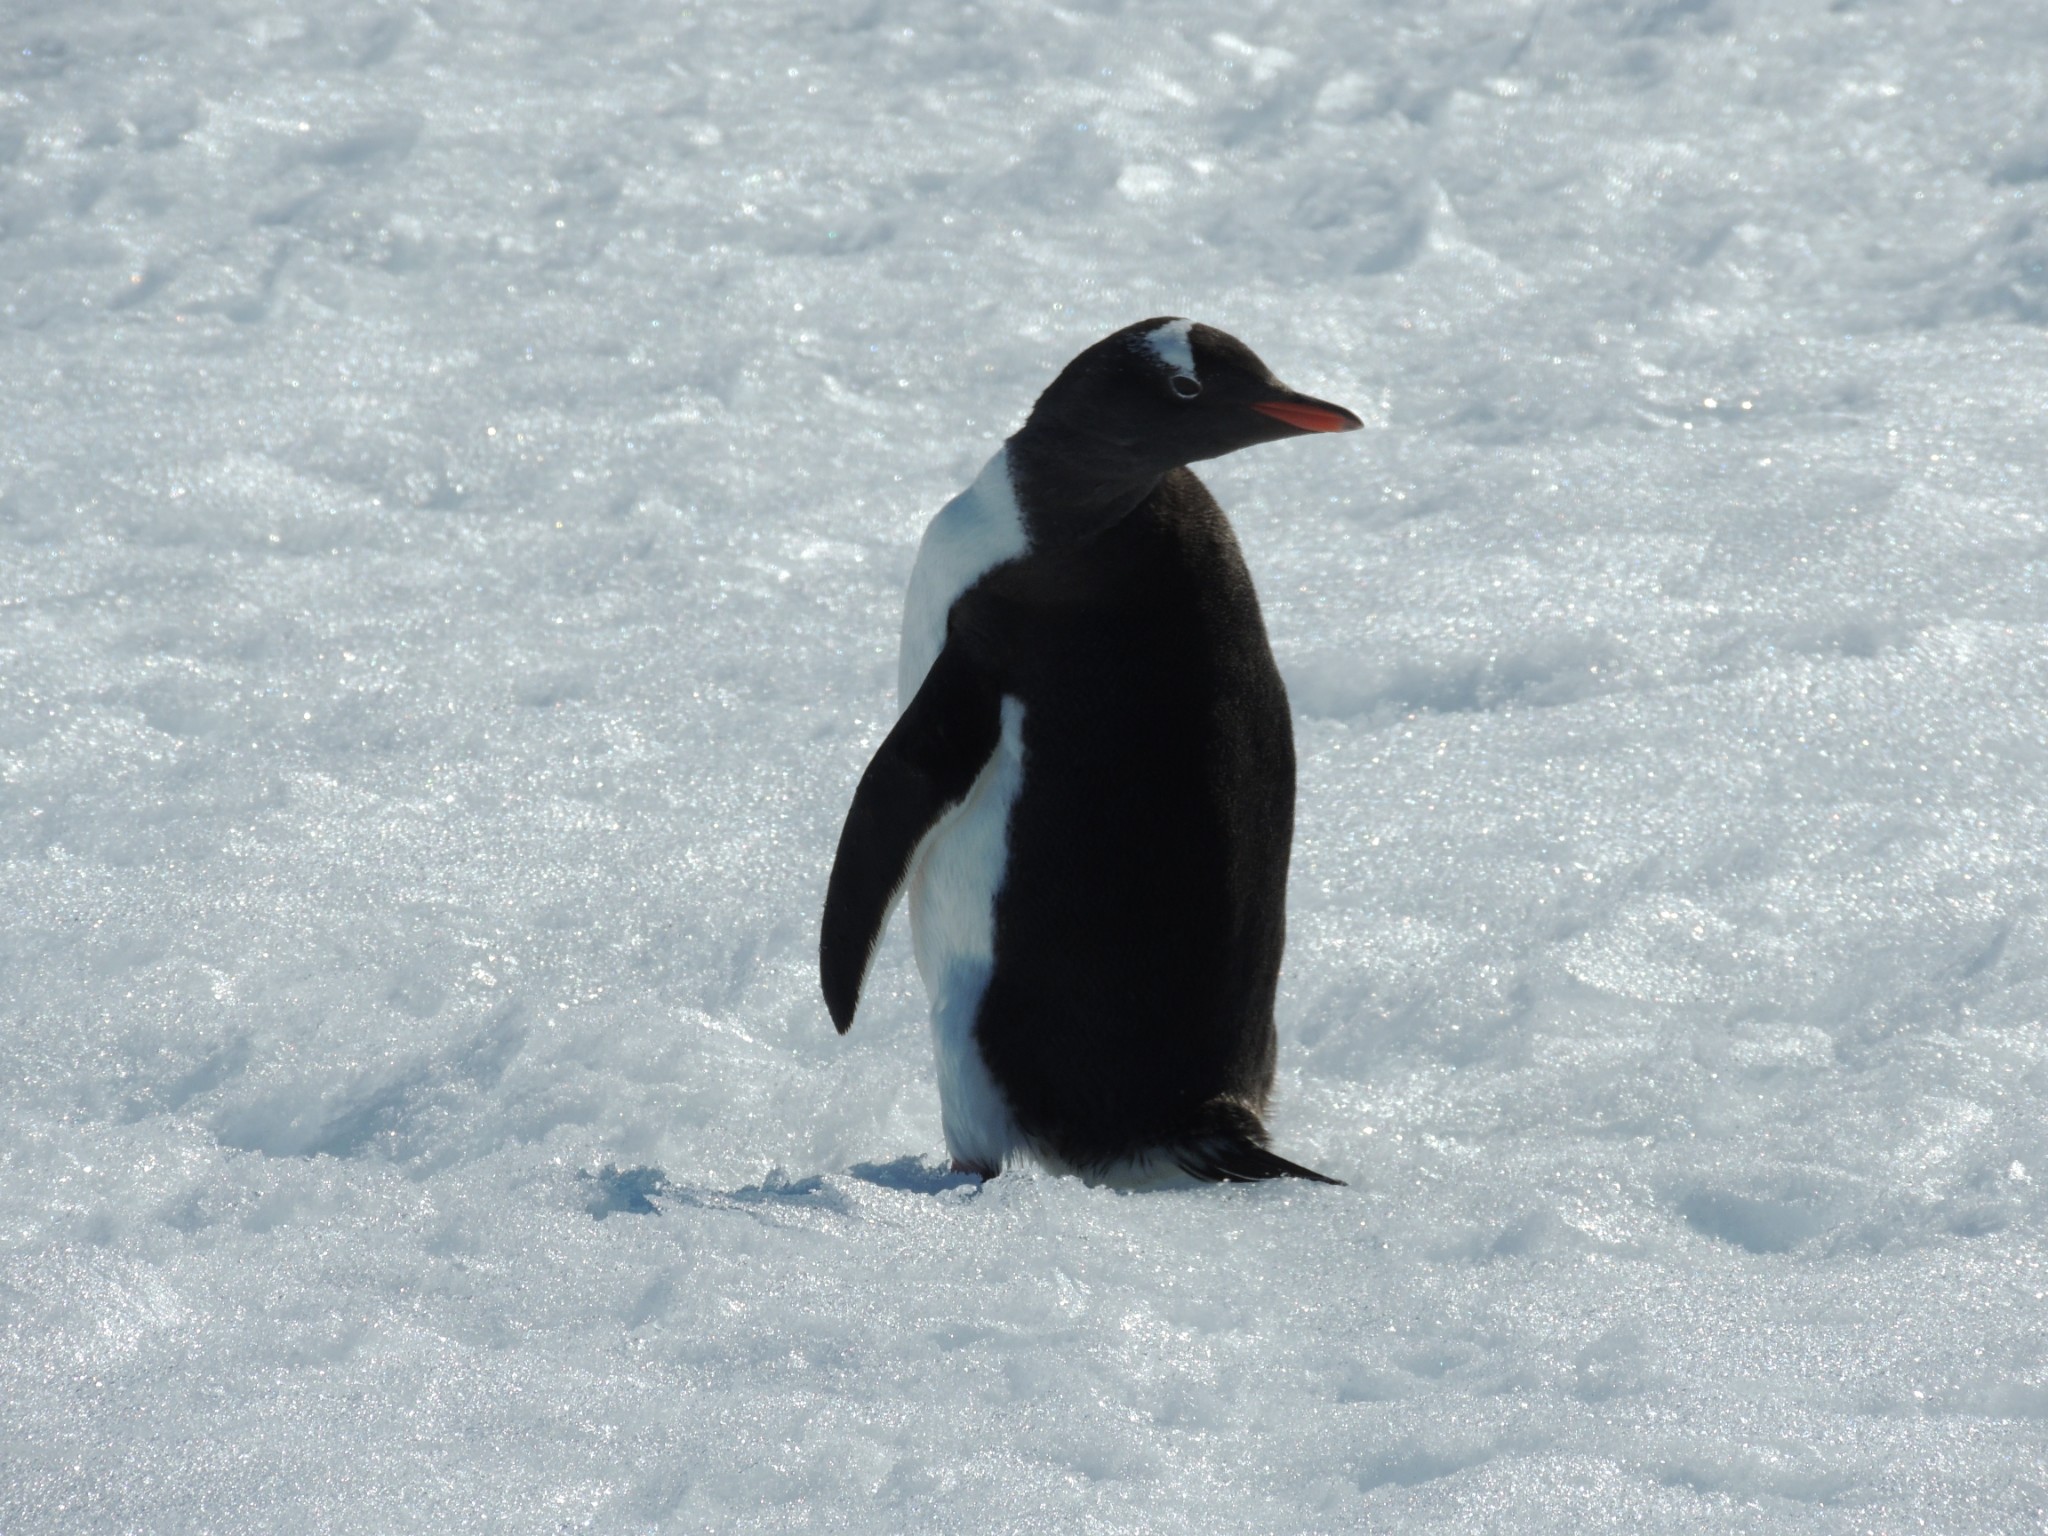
924	767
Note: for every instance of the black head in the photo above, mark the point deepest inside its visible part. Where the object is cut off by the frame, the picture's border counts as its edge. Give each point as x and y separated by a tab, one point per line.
1166	392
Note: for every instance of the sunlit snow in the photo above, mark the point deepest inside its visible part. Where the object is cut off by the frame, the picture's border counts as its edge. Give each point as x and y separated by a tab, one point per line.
460	465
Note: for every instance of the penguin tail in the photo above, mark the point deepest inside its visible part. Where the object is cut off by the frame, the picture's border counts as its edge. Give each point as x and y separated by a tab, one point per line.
1232	1149
1241	1162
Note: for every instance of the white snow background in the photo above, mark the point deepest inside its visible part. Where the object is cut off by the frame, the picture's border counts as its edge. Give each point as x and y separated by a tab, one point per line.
459	466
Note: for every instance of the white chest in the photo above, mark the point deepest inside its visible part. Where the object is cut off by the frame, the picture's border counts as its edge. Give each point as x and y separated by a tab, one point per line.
973	533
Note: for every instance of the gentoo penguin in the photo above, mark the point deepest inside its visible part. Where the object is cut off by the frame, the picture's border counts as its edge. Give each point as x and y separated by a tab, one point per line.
1089	793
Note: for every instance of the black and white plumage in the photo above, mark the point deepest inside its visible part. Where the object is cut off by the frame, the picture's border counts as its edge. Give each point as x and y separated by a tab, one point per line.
1089	794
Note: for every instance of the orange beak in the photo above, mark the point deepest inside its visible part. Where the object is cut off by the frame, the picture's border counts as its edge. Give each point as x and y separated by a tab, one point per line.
1309	415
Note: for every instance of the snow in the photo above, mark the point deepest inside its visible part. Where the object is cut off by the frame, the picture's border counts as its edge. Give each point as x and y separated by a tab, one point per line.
460	465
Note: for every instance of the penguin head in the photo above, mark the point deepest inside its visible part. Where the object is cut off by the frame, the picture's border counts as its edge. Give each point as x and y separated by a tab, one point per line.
1167	391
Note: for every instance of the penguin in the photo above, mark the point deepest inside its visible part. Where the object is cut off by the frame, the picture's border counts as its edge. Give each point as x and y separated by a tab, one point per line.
1088	795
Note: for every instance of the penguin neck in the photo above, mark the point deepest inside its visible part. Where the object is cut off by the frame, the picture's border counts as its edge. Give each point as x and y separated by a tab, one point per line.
1072	485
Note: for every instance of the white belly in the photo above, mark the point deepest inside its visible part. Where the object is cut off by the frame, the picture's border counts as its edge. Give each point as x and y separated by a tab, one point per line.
954	880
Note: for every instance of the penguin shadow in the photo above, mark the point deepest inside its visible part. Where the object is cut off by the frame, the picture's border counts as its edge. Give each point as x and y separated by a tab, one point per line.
648	1191
614	1191
914	1175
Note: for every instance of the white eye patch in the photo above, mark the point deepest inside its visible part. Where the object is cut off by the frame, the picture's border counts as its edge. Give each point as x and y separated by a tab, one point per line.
1170	344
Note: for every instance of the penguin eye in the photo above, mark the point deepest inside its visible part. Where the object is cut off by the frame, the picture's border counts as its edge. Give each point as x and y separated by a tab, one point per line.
1186	387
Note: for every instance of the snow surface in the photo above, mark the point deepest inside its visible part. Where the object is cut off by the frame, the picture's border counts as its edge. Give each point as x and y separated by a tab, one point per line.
459	468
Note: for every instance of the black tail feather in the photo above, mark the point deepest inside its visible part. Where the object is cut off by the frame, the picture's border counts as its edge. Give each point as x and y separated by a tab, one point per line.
1220	1142
1240	1160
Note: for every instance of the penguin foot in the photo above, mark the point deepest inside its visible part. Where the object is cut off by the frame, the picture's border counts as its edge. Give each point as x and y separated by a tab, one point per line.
977	1169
